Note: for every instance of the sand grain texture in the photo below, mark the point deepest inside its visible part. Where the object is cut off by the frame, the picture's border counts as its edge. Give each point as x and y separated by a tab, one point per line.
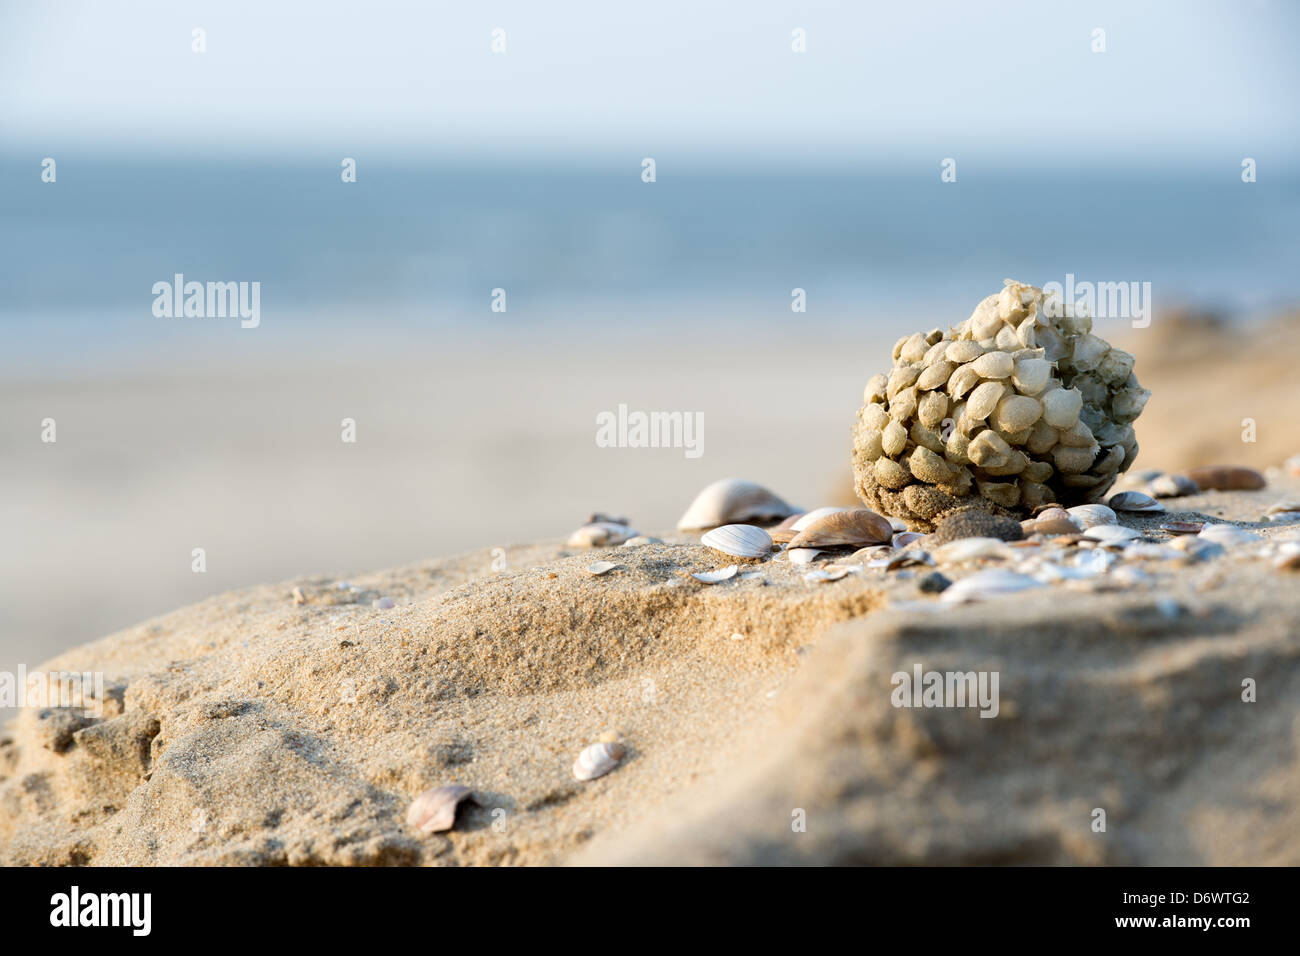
250	730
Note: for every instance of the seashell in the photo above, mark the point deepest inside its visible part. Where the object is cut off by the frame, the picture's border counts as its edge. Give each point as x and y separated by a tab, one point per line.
788	523
739	540
1228	535
1172	486
903	538
815	515
731	500
601	567
902	559
803	555
299	597
1111	535
641	539
1090	516
1226	478
1056	526
1285	506
383	604
971	549
1283	517
898	524
434	811
782	535
997	582
600	534
823	575
1182	527
598	760
1134	501
853	528
716	577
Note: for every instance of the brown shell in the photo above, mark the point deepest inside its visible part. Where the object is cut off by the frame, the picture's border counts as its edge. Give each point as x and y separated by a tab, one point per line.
1227	478
857	527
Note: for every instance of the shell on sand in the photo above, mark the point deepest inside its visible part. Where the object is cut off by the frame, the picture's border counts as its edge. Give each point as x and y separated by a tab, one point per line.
1227	478
732	500
1227	535
1134	501
1172	486
812	517
739	540
1111	535
599	534
972	549
1090	516
598	760
832	573
803	555
988	584
434	811
716	577
601	567
857	527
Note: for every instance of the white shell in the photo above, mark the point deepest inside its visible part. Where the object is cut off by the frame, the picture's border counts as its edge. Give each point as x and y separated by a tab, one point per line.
435	810
1090	516
833	573
730	500
904	538
1134	501
600	534
601	567
597	760
716	577
1111	535
1172	486
1227	534
739	540
971	549
988	584
815	515
641	539
803	555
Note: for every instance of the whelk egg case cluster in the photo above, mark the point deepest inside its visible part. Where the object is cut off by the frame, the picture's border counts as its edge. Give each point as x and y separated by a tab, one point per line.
1018	406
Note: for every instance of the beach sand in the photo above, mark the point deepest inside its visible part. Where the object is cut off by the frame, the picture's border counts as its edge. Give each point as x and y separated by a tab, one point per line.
249	729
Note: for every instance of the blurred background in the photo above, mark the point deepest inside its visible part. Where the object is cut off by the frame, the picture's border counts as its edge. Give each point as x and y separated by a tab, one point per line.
520	169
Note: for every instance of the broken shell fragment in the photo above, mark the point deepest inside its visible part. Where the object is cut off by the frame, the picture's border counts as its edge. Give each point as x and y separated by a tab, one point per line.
601	567
434	811
1227	478
732	500
803	555
854	528
1182	527
739	540
716	577
598	760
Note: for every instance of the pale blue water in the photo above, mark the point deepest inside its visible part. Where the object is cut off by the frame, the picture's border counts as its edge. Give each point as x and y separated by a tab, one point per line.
418	249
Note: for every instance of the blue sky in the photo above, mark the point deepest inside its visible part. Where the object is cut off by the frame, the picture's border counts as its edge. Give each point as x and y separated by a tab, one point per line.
1181	83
